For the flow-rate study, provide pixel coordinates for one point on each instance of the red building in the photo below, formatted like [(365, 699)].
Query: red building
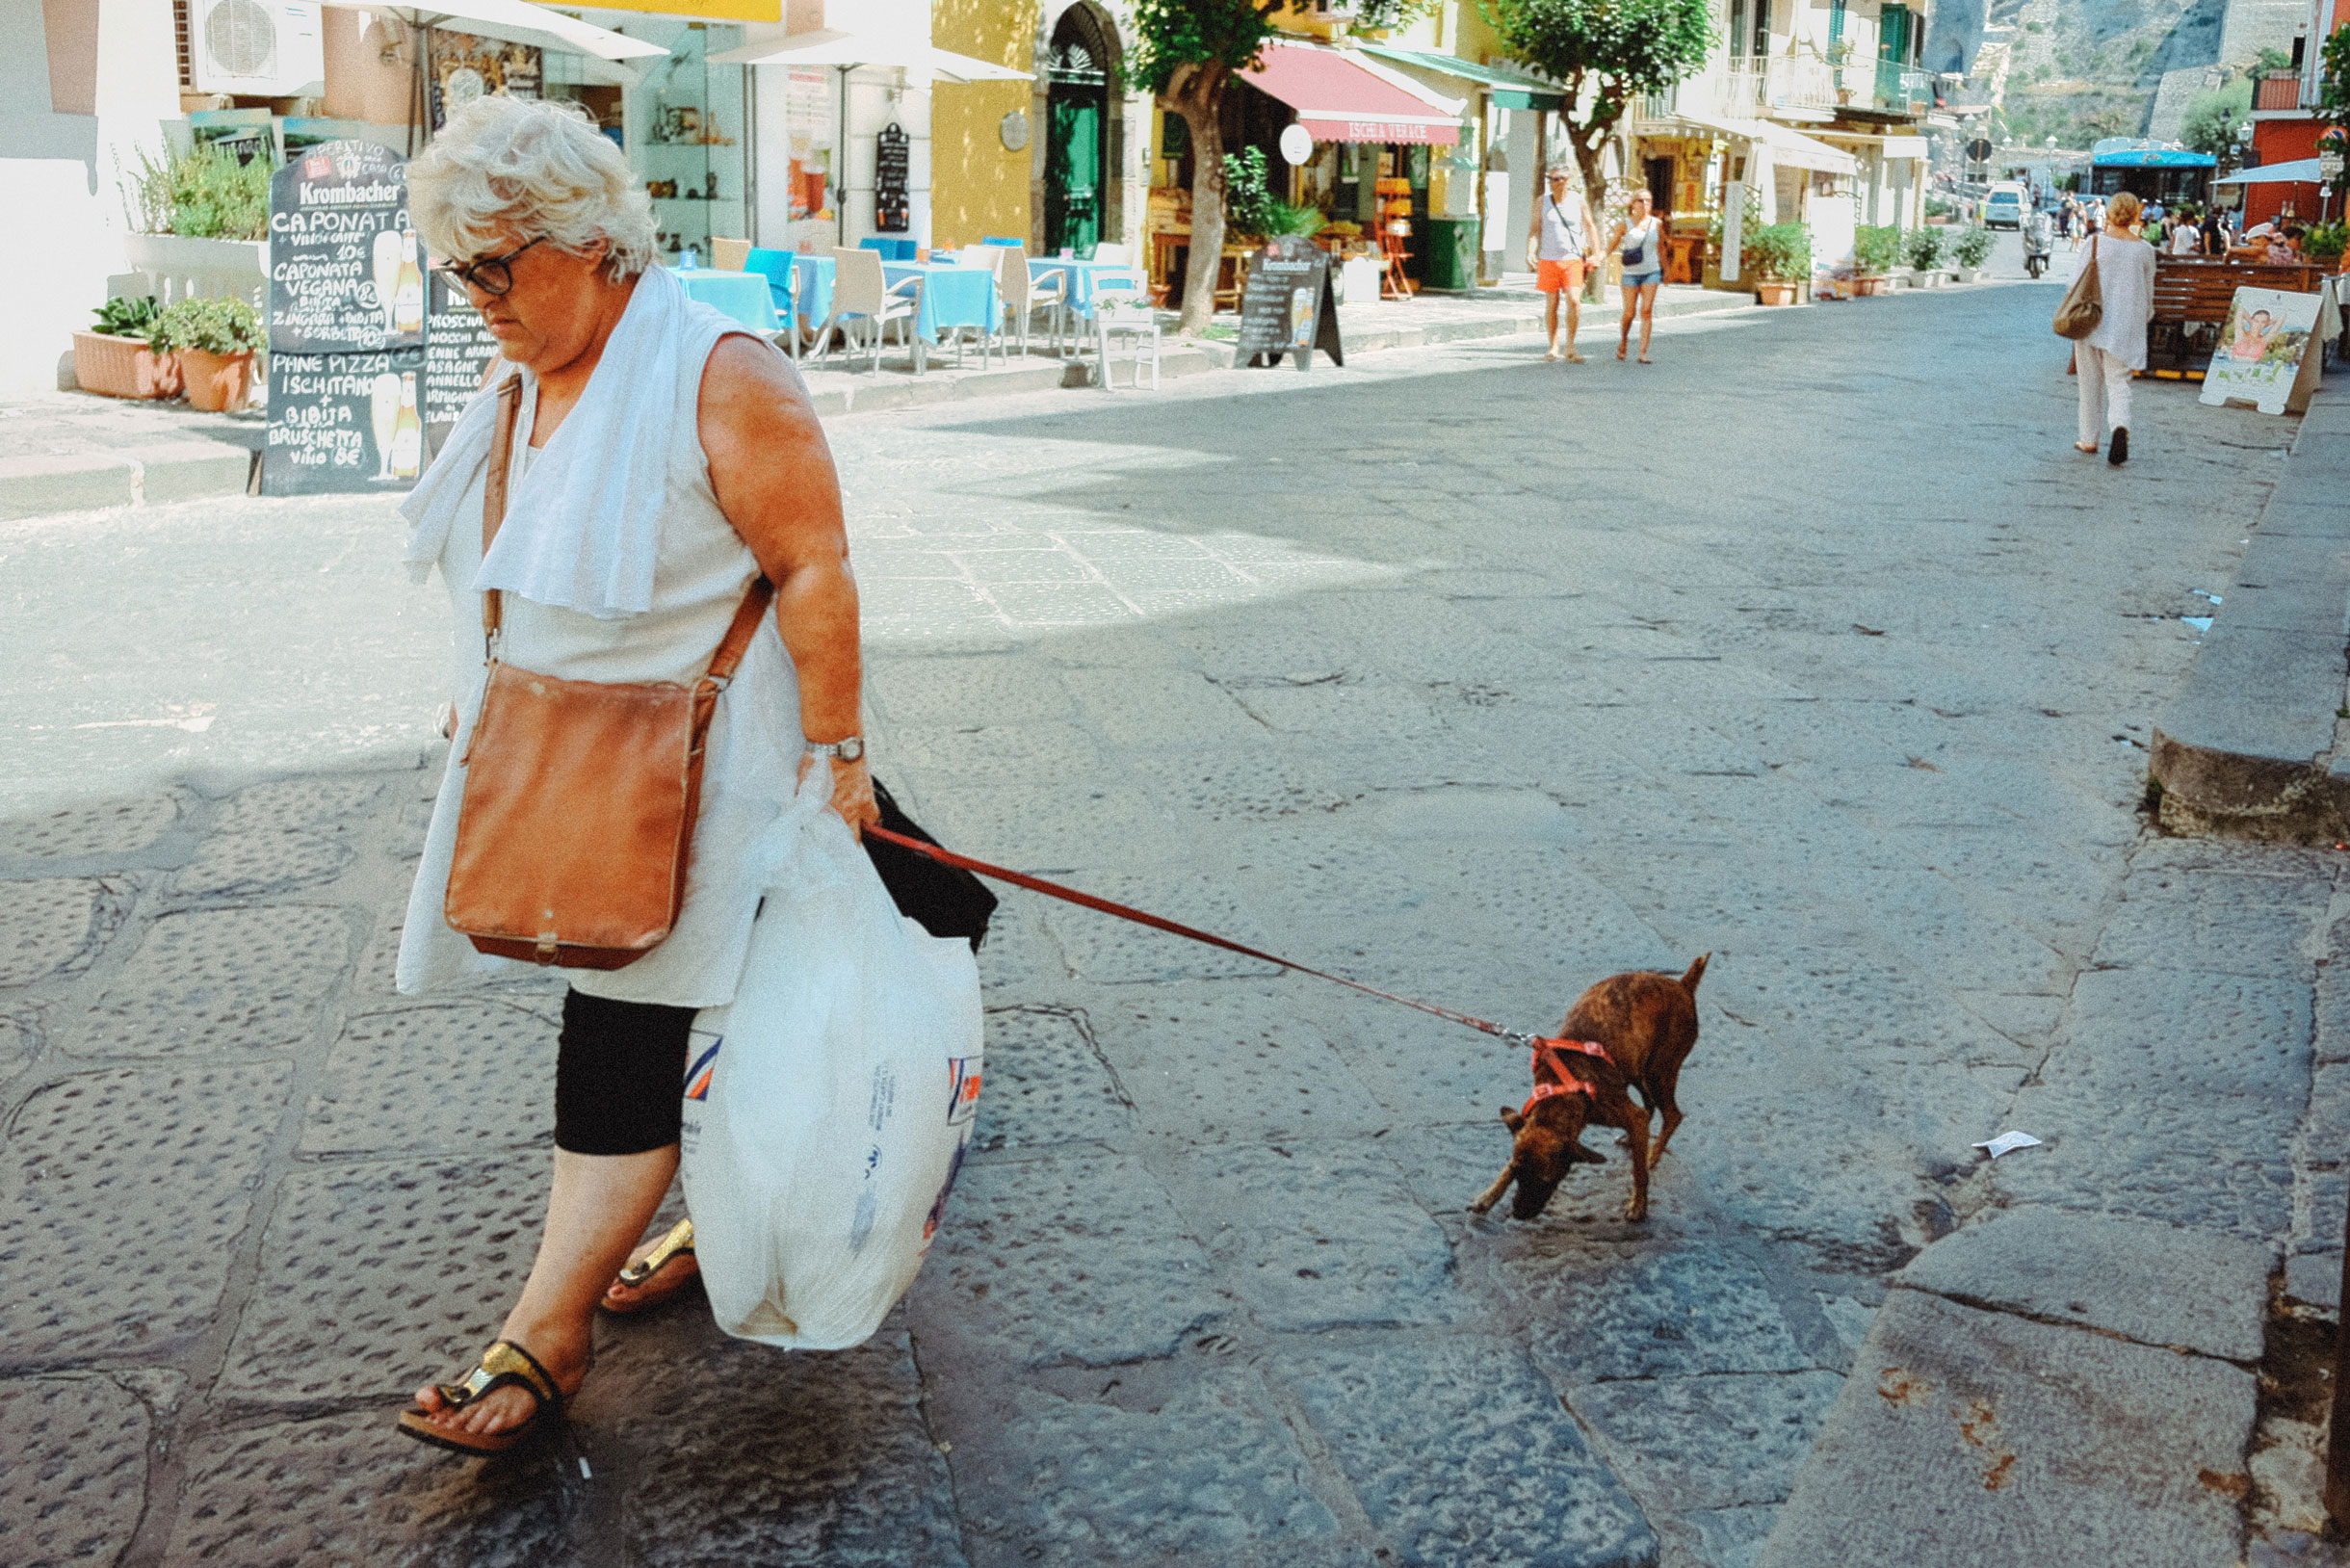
[(2286, 127)]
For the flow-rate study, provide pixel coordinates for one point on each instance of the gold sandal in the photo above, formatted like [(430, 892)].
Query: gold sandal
[(504, 1365), (642, 1275)]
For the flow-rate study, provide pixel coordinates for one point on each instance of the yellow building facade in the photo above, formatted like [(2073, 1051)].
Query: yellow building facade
[(980, 185)]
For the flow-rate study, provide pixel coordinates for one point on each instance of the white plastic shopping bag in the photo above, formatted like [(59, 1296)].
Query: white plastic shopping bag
[(828, 1106)]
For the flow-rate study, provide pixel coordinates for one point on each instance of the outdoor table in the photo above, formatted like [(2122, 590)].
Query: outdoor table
[(951, 296), (744, 296), (1081, 274), (892, 249), (812, 289)]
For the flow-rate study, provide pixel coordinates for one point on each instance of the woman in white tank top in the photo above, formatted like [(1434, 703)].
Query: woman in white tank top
[(663, 461)]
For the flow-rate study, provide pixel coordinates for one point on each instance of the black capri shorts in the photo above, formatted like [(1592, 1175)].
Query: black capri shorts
[(619, 1075)]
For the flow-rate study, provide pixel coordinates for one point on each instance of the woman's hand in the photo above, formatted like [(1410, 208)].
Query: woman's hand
[(852, 792)]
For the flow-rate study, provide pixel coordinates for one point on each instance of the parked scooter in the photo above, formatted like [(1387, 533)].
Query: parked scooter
[(2039, 242)]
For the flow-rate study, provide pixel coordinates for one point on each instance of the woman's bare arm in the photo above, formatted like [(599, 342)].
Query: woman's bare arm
[(775, 479)]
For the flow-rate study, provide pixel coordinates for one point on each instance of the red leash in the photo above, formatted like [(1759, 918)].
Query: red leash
[(1069, 895)]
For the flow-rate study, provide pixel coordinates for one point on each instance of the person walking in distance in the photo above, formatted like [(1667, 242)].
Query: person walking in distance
[(1640, 237), (1563, 235), (2105, 360)]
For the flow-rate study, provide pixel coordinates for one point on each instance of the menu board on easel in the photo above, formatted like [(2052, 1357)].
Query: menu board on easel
[(893, 170), (343, 423), (458, 347), (1287, 306), (345, 273), (347, 325)]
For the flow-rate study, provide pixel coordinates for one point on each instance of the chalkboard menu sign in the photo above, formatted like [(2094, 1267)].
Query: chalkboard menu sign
[(893, 208), (344, 422), (1287, 306), (345, 273), (458, 347)]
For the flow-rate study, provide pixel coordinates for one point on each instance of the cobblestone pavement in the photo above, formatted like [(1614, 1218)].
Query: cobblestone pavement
[(1812, 646)]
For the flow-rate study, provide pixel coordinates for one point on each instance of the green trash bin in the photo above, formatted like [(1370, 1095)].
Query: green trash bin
[(1454, 256)]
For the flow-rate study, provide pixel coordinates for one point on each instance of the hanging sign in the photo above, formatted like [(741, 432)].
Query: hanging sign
[(893, 208), (1296, 145), (345, 271), (1286, 305), (458, 348), (344, 422), (2263, 356)]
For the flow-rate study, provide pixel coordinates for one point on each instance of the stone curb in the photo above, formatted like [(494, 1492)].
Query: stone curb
[(31, 487), (34, 487), (2248, 748)]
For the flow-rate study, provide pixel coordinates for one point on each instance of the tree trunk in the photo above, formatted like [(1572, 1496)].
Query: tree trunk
[(1197, 93)]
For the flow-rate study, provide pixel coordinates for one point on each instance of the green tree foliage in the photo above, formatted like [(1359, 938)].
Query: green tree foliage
[(1187, 52), (1605, 53), (2212, 118)]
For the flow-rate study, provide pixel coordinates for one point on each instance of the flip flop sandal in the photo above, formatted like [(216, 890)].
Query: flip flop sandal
[(644, 1275), (504, 1365)]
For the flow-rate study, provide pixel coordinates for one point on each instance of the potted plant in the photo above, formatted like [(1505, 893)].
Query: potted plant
[(2325, 243), (1780, 257), (1923, 248), (216, 340), (116, 360), (1877, 251), (1973, 250), (199, 217)]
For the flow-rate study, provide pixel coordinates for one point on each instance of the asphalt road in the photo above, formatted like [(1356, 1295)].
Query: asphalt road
[(1812, 645)]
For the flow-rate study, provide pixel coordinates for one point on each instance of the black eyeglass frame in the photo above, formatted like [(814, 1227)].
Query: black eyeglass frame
[(476, 274)]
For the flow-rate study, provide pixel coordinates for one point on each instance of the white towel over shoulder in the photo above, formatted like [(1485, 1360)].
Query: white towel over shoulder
[(581, 525)]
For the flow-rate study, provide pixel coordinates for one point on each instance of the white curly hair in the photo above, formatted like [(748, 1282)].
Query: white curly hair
[(529, 168)]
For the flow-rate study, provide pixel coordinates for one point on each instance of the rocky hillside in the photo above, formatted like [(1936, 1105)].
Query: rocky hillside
[(2081, 69)]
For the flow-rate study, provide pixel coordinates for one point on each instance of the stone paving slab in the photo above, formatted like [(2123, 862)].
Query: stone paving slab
[(75, 1481), (156, 1164), (1963, 1437)]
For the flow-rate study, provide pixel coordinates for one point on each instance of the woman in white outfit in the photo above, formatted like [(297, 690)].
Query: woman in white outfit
[(662, 460), (2105, 360)]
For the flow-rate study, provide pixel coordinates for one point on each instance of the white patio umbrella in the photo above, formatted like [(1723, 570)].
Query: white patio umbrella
[(845, 51), (601, 51)]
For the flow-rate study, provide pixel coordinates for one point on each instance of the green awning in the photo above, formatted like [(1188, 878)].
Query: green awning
[(1507, 90)]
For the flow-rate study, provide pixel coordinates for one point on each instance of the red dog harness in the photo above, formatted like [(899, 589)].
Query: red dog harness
[(1568, 1083)]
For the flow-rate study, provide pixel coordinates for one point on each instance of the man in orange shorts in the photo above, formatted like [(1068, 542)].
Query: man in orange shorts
[(1560, 246)]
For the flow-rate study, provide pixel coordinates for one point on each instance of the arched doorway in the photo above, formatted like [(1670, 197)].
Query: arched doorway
[(1076, 157)]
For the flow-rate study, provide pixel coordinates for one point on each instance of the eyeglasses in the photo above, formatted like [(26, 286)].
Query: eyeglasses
[(493, 275)]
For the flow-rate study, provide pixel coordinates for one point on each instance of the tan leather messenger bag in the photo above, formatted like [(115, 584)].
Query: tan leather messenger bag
[(580, 795)]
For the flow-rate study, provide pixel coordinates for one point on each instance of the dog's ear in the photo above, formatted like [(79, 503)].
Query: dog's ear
[(1512, 1120)]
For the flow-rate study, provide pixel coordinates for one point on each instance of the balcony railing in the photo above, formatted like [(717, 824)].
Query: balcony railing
[(1655, 106), (2280, 89), (1902, 90), (1753, 88)]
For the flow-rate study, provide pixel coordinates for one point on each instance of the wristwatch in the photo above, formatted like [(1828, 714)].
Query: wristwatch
[(848, 750)]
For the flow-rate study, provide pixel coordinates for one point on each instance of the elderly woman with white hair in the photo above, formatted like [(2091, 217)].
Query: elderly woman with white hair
[(661, 469)]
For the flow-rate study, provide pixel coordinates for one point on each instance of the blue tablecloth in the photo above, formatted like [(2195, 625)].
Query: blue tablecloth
[(744, 296), (951, 296), (892, 248), (1081, 274), (813, 275)]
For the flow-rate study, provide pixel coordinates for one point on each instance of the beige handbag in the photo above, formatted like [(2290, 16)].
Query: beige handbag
[(2083, 304), (580, 795)]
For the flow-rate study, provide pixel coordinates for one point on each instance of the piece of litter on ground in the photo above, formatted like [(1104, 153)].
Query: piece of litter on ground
[(2008, 1143), (2201, 594), (2201, 624), (584, 1470)]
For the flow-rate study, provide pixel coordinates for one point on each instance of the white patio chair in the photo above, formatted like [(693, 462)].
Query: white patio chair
[(1122, 310), (1115, 255), (1024, 295), (861, 294)]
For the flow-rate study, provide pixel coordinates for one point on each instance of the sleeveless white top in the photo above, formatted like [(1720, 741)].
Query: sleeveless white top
[(702, 570)]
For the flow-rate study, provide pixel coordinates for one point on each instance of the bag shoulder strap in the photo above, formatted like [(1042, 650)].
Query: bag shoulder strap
[(738, 632)]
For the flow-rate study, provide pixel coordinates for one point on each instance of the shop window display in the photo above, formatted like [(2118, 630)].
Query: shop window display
[(682, 128)]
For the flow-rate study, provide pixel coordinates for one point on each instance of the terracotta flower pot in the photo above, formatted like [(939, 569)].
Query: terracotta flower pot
[(1873, 285), (123, 367), (1774, 292), (218, 383)]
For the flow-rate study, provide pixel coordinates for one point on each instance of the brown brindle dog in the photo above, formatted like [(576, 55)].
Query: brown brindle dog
[(1631, 1030)]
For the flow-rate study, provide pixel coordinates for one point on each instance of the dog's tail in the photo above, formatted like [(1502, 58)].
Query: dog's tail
[(1697, 971)]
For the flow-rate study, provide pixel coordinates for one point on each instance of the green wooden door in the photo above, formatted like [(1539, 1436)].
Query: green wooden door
[(1073, 174)]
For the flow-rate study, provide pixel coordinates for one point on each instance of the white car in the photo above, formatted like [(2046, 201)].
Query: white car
[(2005, 206)]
